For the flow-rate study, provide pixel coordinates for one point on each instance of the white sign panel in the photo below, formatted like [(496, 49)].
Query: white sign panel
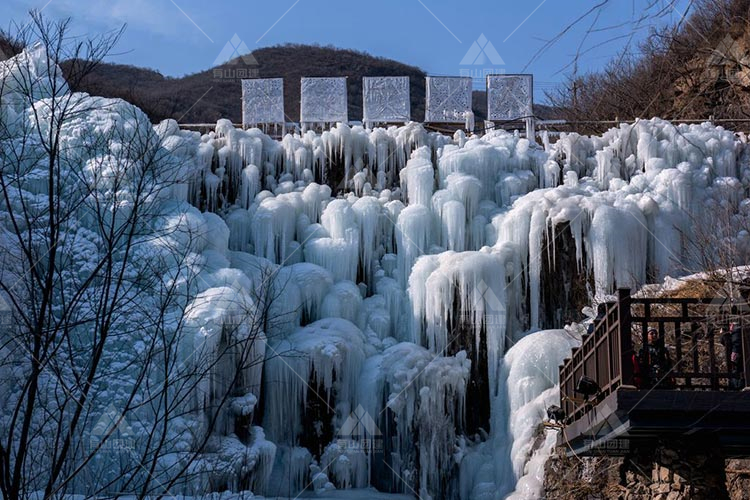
[(510, 97), (262, 101), (324, 100), (386, 99), (448, 99)]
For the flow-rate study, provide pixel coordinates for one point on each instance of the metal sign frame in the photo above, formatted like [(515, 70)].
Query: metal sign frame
[(448, 103), (386, 99), (503, 104), (262, 101), (324, 100)]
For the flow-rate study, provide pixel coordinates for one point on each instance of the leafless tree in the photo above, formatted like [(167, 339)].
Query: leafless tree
[(718, 246), (692, 68), (104, 389)]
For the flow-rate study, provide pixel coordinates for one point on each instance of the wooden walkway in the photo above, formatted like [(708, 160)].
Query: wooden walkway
[(700, 397)]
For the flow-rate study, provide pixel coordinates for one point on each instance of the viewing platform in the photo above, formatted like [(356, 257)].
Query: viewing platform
[(702, 397)]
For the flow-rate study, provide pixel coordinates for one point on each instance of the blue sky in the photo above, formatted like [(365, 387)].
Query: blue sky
[(179, 37)]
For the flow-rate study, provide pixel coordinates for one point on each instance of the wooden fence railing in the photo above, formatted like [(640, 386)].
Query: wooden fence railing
[(691, 329)]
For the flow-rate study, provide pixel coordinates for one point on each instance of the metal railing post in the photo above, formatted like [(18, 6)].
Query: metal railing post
[(745, 353), (625, 333)]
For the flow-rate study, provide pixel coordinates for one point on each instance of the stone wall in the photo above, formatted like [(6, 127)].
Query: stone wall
[(661, 472), (738, 479)]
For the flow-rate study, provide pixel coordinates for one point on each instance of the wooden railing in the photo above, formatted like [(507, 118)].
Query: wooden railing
[(690, 329), (600, 357)]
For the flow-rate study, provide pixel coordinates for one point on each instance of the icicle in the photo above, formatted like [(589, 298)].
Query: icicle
[(250, 186), (477, 280), (343, 301), (274, 225), (239, 222), (454, 226), (412, 238), (537, 226), (368, 212), (417, 179), (314, 283), (469, 121), (212, 183)]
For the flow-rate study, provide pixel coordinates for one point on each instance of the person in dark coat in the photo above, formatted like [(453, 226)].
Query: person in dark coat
[(653, 364), (732, 340)]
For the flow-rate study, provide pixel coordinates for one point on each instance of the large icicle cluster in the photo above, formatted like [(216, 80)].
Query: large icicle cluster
[(468, 287), (387, 272), (629, 199), (528, 386), (457, 246), (329, 352), (351, 258)]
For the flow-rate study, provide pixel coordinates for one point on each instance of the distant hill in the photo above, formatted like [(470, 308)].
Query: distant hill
[(215, 93), (209, 95)]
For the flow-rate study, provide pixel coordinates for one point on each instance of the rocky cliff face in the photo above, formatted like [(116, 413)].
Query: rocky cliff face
[(716, 81)]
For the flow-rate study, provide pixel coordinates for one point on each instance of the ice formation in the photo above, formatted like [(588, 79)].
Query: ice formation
[(390, 270), (323, 351), (529, 378)]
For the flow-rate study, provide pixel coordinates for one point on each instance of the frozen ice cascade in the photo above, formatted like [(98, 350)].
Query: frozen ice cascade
[(397, 277)]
